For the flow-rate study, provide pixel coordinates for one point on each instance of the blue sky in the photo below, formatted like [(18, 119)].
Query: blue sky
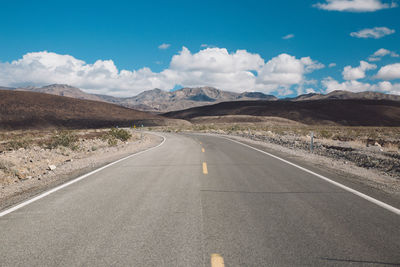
[(130, 32)]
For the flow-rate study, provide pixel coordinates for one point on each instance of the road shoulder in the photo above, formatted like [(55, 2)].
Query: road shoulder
[(369, 182), (16, 193)]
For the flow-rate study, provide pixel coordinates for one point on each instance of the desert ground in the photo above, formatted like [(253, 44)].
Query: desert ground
[(32, 161)]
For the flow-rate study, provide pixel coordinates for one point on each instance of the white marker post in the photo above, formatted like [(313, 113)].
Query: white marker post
[(312, 142)]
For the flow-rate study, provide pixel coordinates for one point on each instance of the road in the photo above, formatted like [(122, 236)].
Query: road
[(197, 200)]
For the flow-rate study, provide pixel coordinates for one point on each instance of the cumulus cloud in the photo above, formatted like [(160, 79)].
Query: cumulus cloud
[(377, 56), (331, 65), (216, 60), (331, 85), (389, 72), (237, 71), (350, 73), (376, 33), (355, 5), (164, 46), (283, 71), (289, 36), (41, 68)]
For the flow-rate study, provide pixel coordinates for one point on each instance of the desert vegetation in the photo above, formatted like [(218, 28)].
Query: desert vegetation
[(31, 154)]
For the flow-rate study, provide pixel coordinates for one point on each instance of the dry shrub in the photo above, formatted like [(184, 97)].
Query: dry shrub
[(64, 139)]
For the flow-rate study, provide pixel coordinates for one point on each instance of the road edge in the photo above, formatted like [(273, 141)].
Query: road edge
[(77, 179), (344, 187)]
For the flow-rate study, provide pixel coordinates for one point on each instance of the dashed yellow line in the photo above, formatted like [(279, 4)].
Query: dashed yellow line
[(217, 260), (202, 150), (205, 171)]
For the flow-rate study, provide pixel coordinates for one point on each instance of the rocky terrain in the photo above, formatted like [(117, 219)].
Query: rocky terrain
[(371, 165), (163, 101), (29, 167)]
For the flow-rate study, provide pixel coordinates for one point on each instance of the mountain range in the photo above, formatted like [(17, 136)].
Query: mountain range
[(160, 101)]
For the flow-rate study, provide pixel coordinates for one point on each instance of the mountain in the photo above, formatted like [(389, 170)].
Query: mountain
[(23, 109), (348, 112), (155, 100), (160, 101), (339, 94), (62, 90), (163, 101)]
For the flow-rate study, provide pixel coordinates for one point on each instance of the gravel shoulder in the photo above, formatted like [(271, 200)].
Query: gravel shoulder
[(372, 181), (36, 170)]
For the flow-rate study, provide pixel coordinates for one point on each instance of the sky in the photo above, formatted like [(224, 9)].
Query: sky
[(122, 48)]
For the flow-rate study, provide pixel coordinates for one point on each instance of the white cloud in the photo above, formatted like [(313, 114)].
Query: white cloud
[(389, 72), (355, 5), (350, 73), (289, 36), (42, 68), (283, 71), (331, 85), (216, 60), (377, 56), (164, 46), (376, 33), (331, 65), (237, 71)]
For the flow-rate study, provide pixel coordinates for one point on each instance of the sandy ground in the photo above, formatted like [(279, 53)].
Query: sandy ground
[(33, 168)]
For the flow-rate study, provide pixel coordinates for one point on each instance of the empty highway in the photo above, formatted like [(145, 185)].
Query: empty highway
[(200, 200)]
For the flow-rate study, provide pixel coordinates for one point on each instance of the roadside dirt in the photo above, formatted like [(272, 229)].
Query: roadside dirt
[(367, 165), (27, 172)]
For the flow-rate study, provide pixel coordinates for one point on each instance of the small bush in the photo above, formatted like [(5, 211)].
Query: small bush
[(17, 144), (112, 141), (65, 139), (325, 134), (120, 134)]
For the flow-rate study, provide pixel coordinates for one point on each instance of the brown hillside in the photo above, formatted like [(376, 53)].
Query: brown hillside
[(330, 111), (20, 110)]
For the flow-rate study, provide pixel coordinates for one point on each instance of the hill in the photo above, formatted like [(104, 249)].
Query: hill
[(162, 101), (352, 112), (62, 90), (21, 109), (339, 94)]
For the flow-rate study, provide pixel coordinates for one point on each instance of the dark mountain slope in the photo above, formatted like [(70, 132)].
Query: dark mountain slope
[(20, 109), (330, 111)]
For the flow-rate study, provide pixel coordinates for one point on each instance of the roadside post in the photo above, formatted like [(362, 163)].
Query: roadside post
[(312, 142)]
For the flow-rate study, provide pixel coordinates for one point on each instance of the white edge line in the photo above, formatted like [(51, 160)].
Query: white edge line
[(27, 202), (355, 192)]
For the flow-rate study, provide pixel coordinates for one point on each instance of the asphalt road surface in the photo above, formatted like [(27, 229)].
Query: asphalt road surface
[(199, 201)]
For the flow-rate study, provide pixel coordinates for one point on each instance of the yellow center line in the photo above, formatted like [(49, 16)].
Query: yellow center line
[(202, 149), (205, 171), (217, 260)]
